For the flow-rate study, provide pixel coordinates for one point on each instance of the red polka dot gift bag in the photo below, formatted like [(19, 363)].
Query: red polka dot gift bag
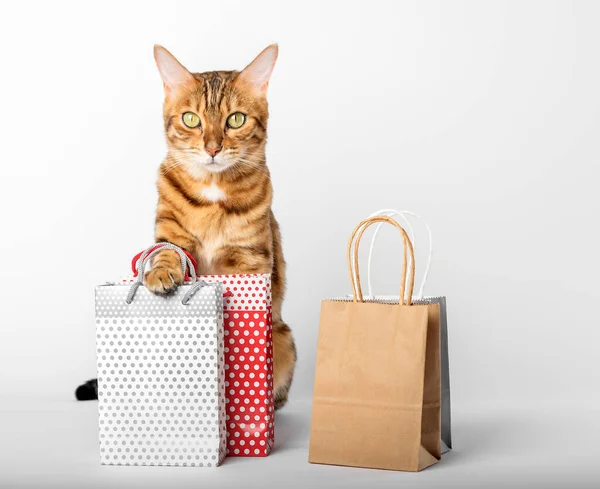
[(248, 363)]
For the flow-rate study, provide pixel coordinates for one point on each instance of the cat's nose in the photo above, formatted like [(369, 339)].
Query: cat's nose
[(213, 150)]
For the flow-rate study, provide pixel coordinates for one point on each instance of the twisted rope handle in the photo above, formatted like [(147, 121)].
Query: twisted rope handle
[(402, 215), (146, 256), (408, 259)]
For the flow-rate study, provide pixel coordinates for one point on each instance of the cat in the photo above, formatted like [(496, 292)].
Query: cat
[(215, 189)]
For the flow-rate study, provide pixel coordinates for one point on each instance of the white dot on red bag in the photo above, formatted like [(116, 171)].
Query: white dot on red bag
[(246, 332), (247, 418), (261, 341), (252, 442), (232, 442), (262, 409), (261, 375), (242, 358), (231, 323), (251, 375), (236, 367), (262, 442), (236, 400), (236, 332), (255, 315), (256, 451), (236, 451), (242, 442), (247, 401), (242, 409), (242, 392), (246, 451), (236, 315), (251, 341), (257, 384), (246, 367), (242, 323), (252, 409), (246, 315), (242, 375), (246, 350), (261, 358), (242, 341), (261, 324), (262, 392), (236, 434)]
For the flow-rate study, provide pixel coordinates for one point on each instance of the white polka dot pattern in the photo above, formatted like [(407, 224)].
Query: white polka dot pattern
[(249, 383), (161, 377)]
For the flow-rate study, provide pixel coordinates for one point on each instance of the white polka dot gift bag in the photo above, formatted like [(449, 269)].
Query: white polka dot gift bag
[(161, 371), (377, 387)]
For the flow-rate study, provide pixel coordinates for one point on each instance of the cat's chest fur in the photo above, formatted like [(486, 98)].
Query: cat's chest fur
[(209, 225), (212, 193)]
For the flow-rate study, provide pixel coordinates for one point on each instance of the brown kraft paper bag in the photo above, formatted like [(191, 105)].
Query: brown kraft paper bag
[(377, 389)]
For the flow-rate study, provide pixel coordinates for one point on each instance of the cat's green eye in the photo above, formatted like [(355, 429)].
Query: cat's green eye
[(236, 120), (191, 120)]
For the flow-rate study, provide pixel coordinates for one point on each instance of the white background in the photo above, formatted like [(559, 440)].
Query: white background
[(483, 117)]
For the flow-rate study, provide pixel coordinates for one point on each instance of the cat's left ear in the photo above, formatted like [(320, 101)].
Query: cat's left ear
[(256, 75)]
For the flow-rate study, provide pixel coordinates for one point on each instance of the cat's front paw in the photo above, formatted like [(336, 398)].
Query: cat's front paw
[(163, 281)]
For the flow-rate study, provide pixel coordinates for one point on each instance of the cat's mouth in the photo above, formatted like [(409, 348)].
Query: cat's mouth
[(215, 166)]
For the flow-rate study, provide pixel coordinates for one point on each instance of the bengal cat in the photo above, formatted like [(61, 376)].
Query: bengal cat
[(214, 187)]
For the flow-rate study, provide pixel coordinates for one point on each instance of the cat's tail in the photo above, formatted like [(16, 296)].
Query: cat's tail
[(87, 391)]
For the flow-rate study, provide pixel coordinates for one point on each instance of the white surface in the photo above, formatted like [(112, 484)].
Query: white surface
[(482, 117), (53, 444)]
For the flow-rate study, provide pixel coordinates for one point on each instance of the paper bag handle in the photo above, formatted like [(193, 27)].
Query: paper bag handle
[(408, 253), (402, 215)]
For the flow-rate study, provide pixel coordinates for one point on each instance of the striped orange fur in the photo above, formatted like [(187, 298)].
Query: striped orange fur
[(214, 187)]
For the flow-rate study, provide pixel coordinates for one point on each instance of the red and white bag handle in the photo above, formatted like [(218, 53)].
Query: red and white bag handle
[(188, 264), (402, 215), (136, 258)]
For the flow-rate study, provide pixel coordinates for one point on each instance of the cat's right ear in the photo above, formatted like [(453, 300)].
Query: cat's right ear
[(172, 72)]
